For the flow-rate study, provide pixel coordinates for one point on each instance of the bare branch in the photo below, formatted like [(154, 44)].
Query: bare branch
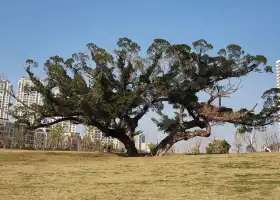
[(223, 92), (271, 139)]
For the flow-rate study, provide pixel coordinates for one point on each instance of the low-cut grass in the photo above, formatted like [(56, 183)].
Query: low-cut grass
[(92, 176)]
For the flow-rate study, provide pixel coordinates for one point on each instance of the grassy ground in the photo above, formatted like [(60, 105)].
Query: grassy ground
[(37, 175)]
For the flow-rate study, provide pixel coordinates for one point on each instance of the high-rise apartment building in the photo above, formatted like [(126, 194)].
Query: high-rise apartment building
[(5, 97), (68, 126), (140, 142), (93, 132), (96, 135), (33, 97), (26, 96)]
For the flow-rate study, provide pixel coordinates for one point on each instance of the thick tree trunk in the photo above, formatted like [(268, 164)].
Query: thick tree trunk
[(131, 149), (123, 135), (129, 145), (164, 146)]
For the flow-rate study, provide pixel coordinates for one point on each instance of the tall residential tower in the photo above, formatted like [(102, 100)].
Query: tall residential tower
[(27, 97), (5, 89), (34, 97)]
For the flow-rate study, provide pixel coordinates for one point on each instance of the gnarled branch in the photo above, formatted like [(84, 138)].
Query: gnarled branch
[(222, 92)]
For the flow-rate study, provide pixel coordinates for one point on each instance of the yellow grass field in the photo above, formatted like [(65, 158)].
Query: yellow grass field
[(34, 175)]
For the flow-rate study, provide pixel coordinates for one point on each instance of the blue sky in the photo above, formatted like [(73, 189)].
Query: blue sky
[(40, 29)]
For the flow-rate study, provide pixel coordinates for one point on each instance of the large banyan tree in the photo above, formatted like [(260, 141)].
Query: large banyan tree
[(114, 90)]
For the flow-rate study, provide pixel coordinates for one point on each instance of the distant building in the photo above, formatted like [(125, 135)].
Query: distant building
[(33, 97), (5, 97), (140, 142), (41, 136), (97, 135), (26, 96), (68, 127)]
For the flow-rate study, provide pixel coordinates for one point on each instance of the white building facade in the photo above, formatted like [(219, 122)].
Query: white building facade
[(140, 143), (96, 135), (33, 97), (5, 97), (68, 126), (26, 97)]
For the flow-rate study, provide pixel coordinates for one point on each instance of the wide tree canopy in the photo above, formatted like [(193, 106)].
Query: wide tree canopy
[(113, 91)]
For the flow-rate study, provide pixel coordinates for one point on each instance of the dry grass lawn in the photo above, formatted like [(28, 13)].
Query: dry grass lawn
[(35, 175)]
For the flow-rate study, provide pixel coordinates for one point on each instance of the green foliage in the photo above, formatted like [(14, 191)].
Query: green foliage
[(195, 150), (219, 147), (151, 146)]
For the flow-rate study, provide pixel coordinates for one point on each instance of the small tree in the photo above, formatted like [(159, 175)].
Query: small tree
[(87, 144), (195, 150), (18, 139), (219, 147), (197, 144), (238, 144), (5, 140), (248, 138), (271, 139), (151, 146), (56, 136)]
